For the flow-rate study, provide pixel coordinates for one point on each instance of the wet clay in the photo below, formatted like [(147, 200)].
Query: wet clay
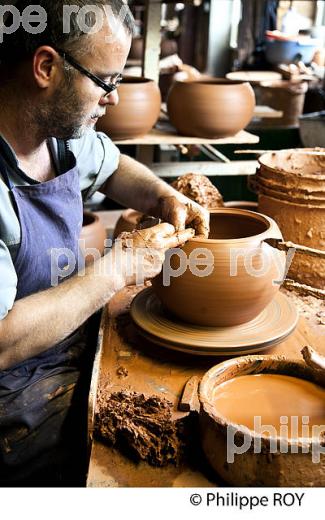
[(271, 396), (200, 189), (142, 424)]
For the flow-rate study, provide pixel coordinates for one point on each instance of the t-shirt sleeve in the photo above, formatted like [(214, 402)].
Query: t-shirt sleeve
[(97, 158), (8, 281)]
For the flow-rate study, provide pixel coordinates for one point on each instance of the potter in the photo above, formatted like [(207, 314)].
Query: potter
[(51, 161)]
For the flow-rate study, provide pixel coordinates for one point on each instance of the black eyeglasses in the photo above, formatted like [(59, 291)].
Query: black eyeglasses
[(115, 79)]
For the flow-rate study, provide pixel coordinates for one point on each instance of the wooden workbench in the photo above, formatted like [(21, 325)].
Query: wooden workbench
[(125, 361)]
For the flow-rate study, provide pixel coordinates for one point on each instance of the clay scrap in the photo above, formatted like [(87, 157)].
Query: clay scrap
[(142, 424), (200, 189)]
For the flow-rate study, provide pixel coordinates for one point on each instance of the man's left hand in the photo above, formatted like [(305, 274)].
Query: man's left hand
[(182, 212)]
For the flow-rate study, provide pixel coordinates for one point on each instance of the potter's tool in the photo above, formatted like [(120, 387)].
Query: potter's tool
[(190, 401), (312, 358), (297, 151), (303, 250), (304, 290)]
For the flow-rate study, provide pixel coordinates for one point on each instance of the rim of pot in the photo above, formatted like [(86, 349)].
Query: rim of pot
[(207, 382), (268, 221), (214, 82)]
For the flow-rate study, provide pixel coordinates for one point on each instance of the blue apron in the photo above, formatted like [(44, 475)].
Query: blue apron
[(43, 400)]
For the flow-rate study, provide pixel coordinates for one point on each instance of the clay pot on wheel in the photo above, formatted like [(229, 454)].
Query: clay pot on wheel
[(238, 279), (292, 467), (211, 108), (92, 236), (137, 111)]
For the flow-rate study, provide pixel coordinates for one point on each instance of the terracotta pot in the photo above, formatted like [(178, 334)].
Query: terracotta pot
[(127, 221), (238, 285), (92, 236), (210, 108), (137, 111), (249, 468), (297, 169), (304, 225), (136, 49), (291, 189), (286, 96)]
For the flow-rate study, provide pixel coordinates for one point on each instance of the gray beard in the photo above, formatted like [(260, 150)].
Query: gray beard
[(63, 118)]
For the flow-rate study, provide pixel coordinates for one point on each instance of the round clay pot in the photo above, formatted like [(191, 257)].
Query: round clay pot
[(168, 47), (136, 50), (262, 468), (285, 96), (297, 169), (210, 108), (127, 221), (92, 236), (240, 280), (137, 111)]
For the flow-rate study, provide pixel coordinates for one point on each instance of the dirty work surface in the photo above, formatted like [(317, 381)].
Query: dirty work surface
[(143, 376)]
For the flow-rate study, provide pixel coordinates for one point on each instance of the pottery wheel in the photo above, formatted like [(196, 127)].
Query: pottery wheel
[(269, 328)]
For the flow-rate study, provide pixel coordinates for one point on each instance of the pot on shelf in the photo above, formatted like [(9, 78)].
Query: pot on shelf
[(137, 111), (210, 108), (240, 280)]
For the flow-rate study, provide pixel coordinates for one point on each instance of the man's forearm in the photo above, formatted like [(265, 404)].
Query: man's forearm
[(135, 186), (41, 320)]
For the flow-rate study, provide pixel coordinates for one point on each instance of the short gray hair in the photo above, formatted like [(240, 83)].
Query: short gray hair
[(22, 44)]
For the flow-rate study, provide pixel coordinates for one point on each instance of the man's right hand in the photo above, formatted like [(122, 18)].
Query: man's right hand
[(139, 255)]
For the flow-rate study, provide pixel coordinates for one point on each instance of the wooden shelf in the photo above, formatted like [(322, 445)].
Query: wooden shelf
[(265, 112), (164, 133), (208, 168)]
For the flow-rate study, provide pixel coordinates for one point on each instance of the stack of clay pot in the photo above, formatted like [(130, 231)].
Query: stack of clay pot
[(137, 111), (291, 189), (210, 108)]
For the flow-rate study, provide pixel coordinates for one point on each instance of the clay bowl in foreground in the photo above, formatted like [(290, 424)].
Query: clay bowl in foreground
[(238, 279), (249, 468), (210, 108), (137, 111)]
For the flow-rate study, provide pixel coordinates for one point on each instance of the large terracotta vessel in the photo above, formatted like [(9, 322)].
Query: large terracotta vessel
[(241, 279), (293, 467), (210, 108), (137, 111), (291, 189)]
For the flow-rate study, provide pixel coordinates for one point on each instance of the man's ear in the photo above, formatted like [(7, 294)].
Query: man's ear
[(45, 66)]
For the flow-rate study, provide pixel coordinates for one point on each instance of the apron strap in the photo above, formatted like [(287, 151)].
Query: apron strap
[(64, 155)]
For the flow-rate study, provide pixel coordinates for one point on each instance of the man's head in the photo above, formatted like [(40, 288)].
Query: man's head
[(49, 66)]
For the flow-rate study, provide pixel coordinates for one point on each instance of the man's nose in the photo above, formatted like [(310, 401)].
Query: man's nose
[(111, 99)]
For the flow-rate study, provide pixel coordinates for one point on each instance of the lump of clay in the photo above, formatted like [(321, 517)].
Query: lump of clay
[(200, 189)]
